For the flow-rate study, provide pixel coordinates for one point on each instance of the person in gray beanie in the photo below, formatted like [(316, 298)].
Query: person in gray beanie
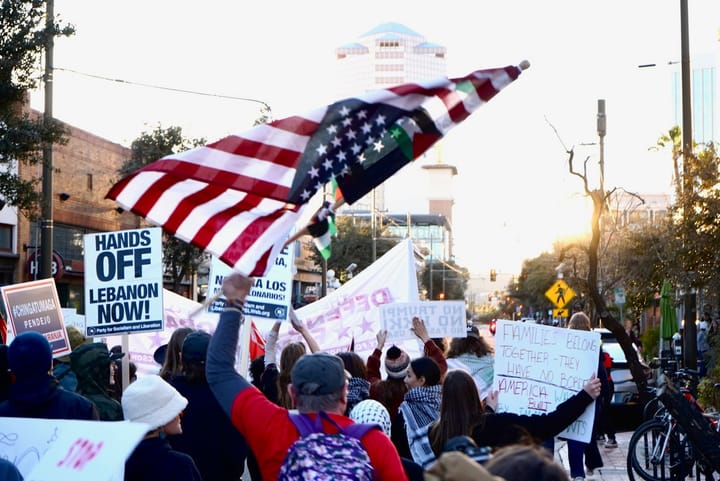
[(35, 393)]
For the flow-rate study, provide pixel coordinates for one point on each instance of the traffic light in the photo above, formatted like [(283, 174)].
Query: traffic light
[(493, 275)]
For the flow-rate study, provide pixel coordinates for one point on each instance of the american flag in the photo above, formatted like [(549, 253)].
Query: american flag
[(240, 197)]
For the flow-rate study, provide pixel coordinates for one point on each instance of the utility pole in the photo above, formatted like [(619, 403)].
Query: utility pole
[(601, 131), (46, 225), (690, 308)]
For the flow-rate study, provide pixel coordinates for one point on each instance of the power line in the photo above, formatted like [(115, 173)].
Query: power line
[(159, 87)]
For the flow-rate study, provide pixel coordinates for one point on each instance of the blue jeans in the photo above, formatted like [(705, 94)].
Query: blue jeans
[(577, 451)]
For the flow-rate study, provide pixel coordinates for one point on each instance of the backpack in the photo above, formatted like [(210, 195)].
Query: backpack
[(321, 456)]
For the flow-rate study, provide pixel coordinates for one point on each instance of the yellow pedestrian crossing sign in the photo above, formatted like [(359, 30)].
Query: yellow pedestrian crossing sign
[(560, 294)]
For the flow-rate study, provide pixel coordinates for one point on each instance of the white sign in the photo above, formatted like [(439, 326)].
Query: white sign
[(52, 449), (441, 318), (538, 367), (269, 297), (123, 282)]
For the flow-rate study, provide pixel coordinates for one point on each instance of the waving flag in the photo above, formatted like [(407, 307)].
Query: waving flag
[(239, 197)]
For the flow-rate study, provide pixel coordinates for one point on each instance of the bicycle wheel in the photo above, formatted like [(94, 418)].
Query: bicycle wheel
[(657, 452), (653, 409)]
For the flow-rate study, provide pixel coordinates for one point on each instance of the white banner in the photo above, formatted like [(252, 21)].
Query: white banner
[(352, 312), (53, 449), (537, 367)]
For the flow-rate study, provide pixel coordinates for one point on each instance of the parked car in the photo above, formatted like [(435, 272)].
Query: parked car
[(493, 326), (626, 392)]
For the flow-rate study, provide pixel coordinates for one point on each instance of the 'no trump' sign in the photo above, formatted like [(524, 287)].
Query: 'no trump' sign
[(123, 282)]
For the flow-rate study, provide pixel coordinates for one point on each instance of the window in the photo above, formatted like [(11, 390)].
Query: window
[(6, 238)]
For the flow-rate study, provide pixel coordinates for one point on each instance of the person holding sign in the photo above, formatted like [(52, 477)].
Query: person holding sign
[(318, 384), (463, 414), (473, 354), (576, 449)]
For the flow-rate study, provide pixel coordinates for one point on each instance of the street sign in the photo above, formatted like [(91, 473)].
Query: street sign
[(561, 313), (619, 295), (560, 294)]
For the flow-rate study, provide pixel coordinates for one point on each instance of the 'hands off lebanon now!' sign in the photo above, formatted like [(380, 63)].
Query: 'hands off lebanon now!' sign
[(123, 282), (538, 367)]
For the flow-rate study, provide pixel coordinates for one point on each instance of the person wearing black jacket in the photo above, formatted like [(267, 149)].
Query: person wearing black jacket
[(208, 436), (35, 393)]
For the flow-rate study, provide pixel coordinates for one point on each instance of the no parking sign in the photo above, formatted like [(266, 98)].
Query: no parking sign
[(123, 282)]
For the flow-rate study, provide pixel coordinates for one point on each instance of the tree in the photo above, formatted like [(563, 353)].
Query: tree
[(181, 260), (599, 199), (449, 281), (23, 36)]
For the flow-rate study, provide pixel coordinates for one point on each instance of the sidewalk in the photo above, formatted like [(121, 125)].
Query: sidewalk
[(615, 459)]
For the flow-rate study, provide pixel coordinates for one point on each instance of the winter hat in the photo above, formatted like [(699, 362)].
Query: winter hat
[(151, 400), (371, 411), (396, 362), (30, 356), (195, 346), (76, 338), (95, 353)]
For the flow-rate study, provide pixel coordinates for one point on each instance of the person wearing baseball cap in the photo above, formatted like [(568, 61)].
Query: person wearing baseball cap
[(319, 384)]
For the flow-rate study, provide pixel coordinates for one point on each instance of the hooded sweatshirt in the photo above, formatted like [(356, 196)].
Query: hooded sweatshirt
[(91, 364)]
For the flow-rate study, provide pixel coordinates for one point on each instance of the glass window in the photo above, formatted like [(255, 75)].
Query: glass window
[(6, 237)]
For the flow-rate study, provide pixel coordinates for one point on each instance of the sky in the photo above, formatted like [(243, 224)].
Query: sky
[(513, 194)]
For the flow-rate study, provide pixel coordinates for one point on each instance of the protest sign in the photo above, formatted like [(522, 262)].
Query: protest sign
[(34, 306), (538, 367), (52, 449), (442, 319), (270, 295), (123, 282)]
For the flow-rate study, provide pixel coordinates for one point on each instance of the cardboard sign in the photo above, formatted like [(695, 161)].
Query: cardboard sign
[(269, 297), (123, 282), (442, 319), (34, 306), (538, 367), (52, 449)]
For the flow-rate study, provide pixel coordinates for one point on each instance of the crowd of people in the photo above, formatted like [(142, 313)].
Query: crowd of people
[(301, 413)]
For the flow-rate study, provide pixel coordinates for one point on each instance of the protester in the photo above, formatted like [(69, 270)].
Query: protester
[(172, 362), (359, 386), (390, 391), (463, 414), (456, 466), (5, 378), (35, 393), (61, 366), (607, 425), (421, 403), (578, 450), (8, 471), (474, 355), (94, 367), (208, 436), (151, 400), (521, 462), (372, 412), (318, 385), (703, 347), (276, 379)]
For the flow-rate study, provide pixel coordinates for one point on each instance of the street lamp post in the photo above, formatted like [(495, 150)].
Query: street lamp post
[(690, 330)]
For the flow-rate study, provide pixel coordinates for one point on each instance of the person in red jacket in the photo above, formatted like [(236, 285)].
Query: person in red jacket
[(318, 383)]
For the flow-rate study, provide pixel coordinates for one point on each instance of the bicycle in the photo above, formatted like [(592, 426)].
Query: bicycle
[(678, 439)]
